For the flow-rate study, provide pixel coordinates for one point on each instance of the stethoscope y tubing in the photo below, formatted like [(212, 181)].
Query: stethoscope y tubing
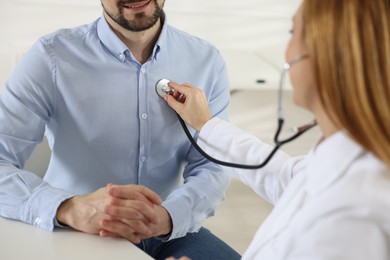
[(223, 163), (162, 84), (278, 144)]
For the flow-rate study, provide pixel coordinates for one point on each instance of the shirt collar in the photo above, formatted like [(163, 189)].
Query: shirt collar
[(110, 39), (163, 38), (329, 161), (118, 48)]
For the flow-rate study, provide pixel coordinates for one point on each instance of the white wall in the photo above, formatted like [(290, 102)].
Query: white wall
[(251, 34)]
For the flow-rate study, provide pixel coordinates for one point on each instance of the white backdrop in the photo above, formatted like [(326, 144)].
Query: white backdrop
[(251, 34)]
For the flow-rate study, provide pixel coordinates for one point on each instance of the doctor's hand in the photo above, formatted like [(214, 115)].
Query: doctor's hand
[(135, 215), (87, 213), (194, 110)]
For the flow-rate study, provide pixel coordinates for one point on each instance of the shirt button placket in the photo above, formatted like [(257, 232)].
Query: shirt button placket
[(144, 131)]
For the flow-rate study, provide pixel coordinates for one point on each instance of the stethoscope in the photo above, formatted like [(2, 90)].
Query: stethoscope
[(163, 89)]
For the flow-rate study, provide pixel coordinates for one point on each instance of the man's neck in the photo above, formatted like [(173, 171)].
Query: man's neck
[(140, 44)]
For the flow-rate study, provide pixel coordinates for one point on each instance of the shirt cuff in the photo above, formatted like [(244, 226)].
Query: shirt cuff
[(206, 132), (41, 208), (179, 213)]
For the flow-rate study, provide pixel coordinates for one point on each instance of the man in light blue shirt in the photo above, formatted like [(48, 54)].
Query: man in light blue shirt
[(118, 150)]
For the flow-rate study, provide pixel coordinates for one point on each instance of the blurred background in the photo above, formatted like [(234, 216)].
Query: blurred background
[(251, 35)]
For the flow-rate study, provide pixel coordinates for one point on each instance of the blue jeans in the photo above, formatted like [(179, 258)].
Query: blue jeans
[(202, 245)]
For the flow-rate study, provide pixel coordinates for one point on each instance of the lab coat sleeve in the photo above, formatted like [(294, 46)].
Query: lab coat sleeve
[(228, 143), (25, 108), (205, 183)]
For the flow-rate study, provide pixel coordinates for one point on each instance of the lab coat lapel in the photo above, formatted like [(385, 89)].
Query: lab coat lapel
[(286, 208), (330, 161), (324, 165)]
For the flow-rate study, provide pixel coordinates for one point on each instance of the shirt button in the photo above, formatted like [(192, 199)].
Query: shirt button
[(143, 158), (144, 115), (37, 222), (121, 56), (143, 70)]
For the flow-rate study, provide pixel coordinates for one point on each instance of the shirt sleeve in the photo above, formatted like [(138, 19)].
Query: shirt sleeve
[(205, 183), (228, 143), (25, 109)]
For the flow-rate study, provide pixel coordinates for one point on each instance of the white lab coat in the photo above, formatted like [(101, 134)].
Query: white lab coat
[(332, 204)]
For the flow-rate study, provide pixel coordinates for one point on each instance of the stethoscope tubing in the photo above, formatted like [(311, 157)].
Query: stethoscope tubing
[(278, 144), (163, 83)]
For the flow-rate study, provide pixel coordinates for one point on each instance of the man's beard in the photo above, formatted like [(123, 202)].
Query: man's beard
[(141, 22)]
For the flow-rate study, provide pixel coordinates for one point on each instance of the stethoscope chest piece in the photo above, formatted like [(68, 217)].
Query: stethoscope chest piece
[(162, 88)]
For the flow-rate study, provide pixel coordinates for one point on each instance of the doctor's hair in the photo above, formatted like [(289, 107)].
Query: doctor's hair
[(348, 43)]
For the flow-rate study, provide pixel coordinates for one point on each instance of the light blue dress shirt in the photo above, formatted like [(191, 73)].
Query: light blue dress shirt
[(105, 124)]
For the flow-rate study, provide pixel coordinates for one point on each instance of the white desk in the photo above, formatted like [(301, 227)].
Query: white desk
[(23, 241)]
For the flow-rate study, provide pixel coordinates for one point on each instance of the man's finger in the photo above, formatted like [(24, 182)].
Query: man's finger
[(105, 233), (130, 232), (132, 210), (135, 192)]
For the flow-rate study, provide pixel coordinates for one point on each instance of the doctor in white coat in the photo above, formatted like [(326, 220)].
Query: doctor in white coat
[(335, 202)]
